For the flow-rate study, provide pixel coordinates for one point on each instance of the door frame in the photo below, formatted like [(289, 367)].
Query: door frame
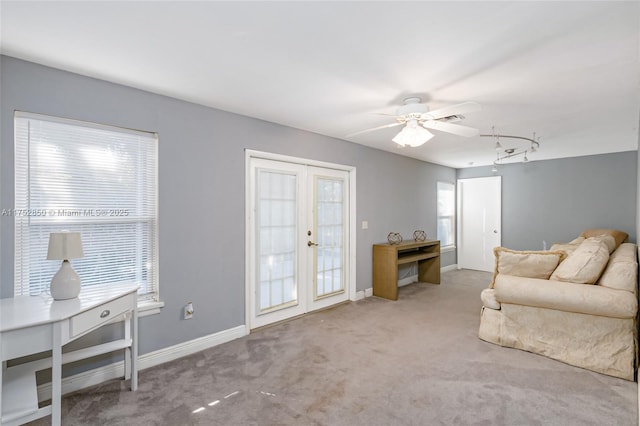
[(351, 254)]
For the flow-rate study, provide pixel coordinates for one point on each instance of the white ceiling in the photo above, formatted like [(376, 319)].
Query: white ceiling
[(569, 71)]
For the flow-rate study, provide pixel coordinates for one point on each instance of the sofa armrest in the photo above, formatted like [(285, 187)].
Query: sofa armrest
[(567, 297), (488, 298)]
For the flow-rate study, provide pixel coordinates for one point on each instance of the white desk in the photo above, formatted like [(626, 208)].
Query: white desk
[(33, 324)]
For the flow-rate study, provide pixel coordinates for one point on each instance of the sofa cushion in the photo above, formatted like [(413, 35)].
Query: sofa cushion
[(619, 236), (625, 249), (531, 264), (585, 264), (567, 297), (622, 270), (609, 241), (567, 247), (625, 253), (621, 276)]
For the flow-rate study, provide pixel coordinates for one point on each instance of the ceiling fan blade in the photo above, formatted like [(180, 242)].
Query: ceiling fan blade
[(455, 129), (383, 113), (453, 110), (374, 129)]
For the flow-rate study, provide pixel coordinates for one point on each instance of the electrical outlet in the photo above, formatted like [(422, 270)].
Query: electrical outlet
[(365, 224), (188, 311)]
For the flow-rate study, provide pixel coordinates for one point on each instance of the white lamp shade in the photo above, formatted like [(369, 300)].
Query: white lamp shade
[(412, 135), (64, 245)]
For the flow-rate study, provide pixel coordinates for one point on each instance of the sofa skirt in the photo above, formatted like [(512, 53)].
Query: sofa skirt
[(601, 344)]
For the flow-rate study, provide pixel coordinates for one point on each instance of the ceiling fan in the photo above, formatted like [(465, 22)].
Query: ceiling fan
[(417, 119)]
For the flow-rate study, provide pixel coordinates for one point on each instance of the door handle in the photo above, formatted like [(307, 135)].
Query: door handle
[(311, 243), (495, 231)]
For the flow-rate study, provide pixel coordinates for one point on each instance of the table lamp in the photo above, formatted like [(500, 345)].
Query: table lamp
[(65, 245)]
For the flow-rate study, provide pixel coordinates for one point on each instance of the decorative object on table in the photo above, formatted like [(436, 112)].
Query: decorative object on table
[(419, 235), (394, 238), (65, 245)]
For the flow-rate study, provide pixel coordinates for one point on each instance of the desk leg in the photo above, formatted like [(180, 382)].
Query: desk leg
[(134, 345), (127, 351), (56, 376), (2, 367)]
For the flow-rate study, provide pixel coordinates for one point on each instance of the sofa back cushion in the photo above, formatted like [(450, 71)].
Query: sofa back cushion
[(625, 253), (567, 247), (585, 264), (529, 264), (618, 236), (609, 241), (622, 270), (567, 297)]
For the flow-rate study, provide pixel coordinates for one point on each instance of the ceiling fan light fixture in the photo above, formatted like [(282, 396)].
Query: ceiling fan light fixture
[(412, 135)]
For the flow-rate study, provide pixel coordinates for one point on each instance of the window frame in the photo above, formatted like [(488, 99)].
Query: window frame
[(149, 292), (446, 186)]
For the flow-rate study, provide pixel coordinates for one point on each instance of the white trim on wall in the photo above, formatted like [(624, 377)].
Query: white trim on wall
[(116, 370), (449, 268)]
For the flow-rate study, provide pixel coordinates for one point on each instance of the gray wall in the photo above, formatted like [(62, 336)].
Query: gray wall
[(554, 200), (201, 189)]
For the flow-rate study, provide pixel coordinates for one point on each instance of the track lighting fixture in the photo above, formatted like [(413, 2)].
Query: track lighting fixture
[(510, 152)]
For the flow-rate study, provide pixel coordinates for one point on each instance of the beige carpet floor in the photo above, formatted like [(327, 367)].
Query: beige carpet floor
[(416, 361)]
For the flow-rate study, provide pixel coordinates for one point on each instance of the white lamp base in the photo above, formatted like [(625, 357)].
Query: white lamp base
[(65, 283)]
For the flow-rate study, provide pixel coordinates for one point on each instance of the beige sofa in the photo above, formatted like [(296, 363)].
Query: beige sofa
[(576, 303)]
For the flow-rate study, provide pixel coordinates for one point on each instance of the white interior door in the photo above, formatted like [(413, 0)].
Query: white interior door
[(479, 222), (298, 233)]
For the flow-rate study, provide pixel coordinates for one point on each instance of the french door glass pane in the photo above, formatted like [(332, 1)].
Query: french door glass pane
[(330, 250), (276, 226)]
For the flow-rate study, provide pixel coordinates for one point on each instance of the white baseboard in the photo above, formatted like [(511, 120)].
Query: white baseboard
[(161, 356), (151, 359), (367, 292), (449, 268)]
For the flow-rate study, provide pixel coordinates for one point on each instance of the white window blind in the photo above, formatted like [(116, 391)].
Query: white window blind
[(446, 214), (98, 180)]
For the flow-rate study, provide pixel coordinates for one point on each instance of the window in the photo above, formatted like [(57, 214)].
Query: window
[(97, 180), (446, 214)]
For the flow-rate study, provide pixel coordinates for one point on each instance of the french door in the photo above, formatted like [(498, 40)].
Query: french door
[(298, 223)]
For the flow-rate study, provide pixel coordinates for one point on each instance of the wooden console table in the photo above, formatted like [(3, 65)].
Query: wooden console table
[(387, 257), (33, 324)]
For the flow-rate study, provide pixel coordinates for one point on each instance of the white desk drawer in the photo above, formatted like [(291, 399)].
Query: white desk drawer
[(17, 343), (90, 319)]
